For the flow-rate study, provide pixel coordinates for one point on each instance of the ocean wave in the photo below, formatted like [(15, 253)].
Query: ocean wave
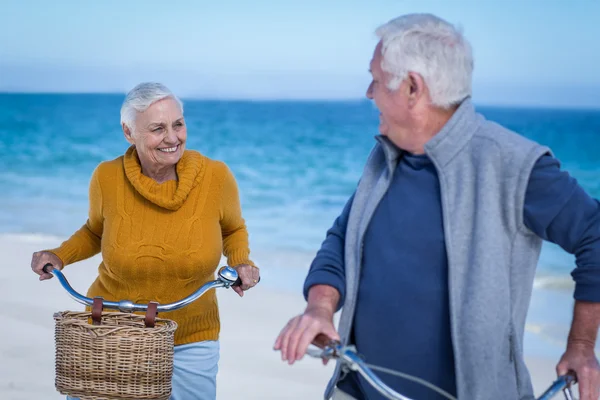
[(555, 334), (30, 237), (556, 282), (296, 163)]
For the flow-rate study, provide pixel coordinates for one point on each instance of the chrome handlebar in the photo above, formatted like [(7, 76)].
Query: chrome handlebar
[(333, 349), (352, 359), (328, 349), (226, 278), (562, 383)]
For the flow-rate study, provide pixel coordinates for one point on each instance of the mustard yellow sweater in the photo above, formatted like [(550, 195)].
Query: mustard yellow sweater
[(161, 242)]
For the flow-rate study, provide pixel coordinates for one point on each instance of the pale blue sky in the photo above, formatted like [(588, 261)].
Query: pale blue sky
[(527, 52)]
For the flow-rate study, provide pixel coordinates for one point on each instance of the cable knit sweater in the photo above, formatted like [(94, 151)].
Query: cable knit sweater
[(162, 241)]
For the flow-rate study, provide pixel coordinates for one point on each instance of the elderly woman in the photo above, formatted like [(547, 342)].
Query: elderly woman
[(162, 216)]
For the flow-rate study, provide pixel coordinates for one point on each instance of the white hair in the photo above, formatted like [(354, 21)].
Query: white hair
[(141, 97), (433, 48)]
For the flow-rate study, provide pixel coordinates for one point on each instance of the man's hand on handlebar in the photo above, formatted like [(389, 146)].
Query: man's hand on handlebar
[(301, 330)]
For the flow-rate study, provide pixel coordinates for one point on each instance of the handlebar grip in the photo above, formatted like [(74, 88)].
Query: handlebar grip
[(322, 341), (47, 268), (570, 378), (238, 282)]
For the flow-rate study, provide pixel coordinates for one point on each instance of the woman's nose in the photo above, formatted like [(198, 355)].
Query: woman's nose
[(171, 136)]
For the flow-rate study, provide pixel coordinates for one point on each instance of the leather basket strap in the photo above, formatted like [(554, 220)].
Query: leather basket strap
[(151, 314), (97, 311)]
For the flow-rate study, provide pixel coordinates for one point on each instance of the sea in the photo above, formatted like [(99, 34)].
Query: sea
[(296, 164)]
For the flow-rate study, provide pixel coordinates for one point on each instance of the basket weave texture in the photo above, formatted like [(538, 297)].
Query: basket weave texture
[(118, 359)]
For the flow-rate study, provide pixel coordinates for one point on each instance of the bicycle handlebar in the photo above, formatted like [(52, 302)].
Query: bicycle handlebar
[(333, 349), (562, 383), (226, 278)]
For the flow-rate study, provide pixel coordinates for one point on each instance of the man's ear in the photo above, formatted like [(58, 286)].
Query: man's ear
[(128, 134), (416, 88)]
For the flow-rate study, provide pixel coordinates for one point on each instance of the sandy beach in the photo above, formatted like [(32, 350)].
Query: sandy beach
[(249, 368)]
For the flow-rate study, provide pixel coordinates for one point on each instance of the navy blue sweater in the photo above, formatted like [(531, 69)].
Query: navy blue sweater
[(404, 324)]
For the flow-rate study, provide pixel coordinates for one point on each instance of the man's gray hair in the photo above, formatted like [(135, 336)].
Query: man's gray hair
[(141, 97), (433, 48)]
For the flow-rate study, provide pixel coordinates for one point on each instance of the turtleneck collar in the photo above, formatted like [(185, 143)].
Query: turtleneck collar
[(171, 194)]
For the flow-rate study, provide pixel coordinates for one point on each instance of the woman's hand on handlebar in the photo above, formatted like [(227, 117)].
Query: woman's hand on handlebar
[(249, 276), (41, 258)]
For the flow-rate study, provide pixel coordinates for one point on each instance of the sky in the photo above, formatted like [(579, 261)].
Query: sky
[(527, 52)]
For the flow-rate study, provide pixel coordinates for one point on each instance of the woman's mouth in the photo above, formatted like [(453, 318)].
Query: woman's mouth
[(169, 149)]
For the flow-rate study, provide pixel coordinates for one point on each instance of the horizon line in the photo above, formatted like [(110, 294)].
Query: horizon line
[(299, 100)]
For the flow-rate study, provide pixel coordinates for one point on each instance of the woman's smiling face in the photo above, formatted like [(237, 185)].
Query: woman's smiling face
[(159, 134)]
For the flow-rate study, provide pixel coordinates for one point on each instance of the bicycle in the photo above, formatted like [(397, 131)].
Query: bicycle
[(115, 355), (332, 349)]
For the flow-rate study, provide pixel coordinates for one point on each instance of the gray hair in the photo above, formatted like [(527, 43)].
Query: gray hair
[(431, 47), (141, 97)]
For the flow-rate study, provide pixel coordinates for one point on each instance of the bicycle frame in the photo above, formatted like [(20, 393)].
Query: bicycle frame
[(226, 278), (332, 349)]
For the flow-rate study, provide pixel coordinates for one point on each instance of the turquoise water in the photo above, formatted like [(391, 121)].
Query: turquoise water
[(296, 162)]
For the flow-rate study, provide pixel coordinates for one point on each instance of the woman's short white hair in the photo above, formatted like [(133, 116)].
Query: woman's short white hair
[(141, 97), (431, 47)]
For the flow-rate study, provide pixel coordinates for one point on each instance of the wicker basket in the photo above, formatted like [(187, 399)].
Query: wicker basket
[(118, 359)]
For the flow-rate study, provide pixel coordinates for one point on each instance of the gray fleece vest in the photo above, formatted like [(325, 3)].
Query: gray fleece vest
[(483, 170)]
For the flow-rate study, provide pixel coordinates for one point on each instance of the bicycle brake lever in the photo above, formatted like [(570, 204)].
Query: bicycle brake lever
[(568, 394)]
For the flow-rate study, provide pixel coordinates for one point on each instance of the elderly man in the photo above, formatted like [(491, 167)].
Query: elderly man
[(434, 255)]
